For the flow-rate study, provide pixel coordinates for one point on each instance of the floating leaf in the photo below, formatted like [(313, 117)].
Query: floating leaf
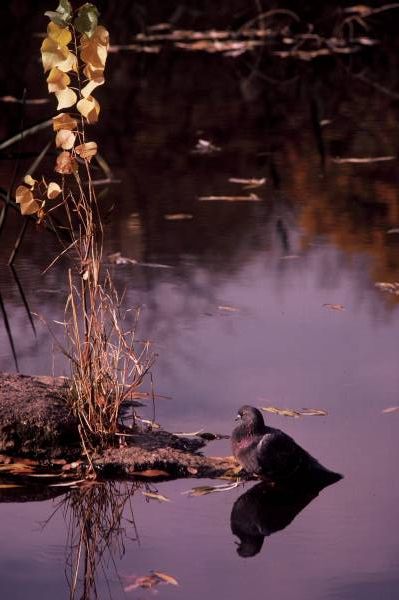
[(6, 486), (166, 578), (87, 19), (53, 190), (87, 150), (391, 288), (65, 164), (66, 98), (156, 496), (227, 308), (178, 217), (248, 183), (61, 35), (24, 197), (203, 490), (57, 80), (313, 412), (390, 409), (151, 473), (65, 139), (291, 412), (249, 198), (338, 307), (28, 179), (89, 108), (62, 15), (64, 121)]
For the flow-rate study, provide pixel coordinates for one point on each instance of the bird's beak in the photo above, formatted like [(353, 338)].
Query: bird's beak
[(238, 418)]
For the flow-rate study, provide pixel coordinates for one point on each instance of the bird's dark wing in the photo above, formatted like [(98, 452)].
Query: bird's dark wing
[(279, 456)]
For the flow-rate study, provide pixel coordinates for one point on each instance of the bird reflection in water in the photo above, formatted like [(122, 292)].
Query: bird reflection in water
[(266, 509)]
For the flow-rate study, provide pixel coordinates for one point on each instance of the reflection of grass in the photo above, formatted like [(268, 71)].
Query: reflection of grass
[(97, 530)]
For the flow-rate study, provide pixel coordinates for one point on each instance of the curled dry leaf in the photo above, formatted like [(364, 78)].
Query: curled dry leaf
[(66, 98), (53, 190), (291, 412), (156, 496), (89, 108), (24, 197), (87, 150), (65, 164), (57, 80), (89, 87), (338, 307), (64, 121), (58, 34), (94, 50), (166, 578), (53, 54), (28, 179), (65, 139)]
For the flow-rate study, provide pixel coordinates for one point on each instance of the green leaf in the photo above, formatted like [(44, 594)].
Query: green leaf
[(62, 15), (87, 19)]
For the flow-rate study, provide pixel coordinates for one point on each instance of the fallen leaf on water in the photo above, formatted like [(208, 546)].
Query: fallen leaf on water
[(390, 409), (362, 161), (178, 217), (16, 468), (249, 198), (391, 288), (205, 147), (284, 412), (290, 257), (313, 412), (156, 496), (150, 581), (5, 486), (150, 473), (166, 578), (227, 308), (394, 230), (334, 306), (203, 490), (248, 183)]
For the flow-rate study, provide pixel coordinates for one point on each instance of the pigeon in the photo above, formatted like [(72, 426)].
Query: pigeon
[(273, 455)]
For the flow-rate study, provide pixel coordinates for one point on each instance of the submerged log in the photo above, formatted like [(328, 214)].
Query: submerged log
[(35, 421)]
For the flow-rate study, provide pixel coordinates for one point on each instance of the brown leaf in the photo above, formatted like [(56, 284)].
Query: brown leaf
[(338, 307), (178, 217), (53, 190), (65, 139), (28, 204), (65, 163), (57, 80), (89, 108), (166, 578), (66, 98), (151, 473), (87, 150), (156, 496), (64, 121)]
